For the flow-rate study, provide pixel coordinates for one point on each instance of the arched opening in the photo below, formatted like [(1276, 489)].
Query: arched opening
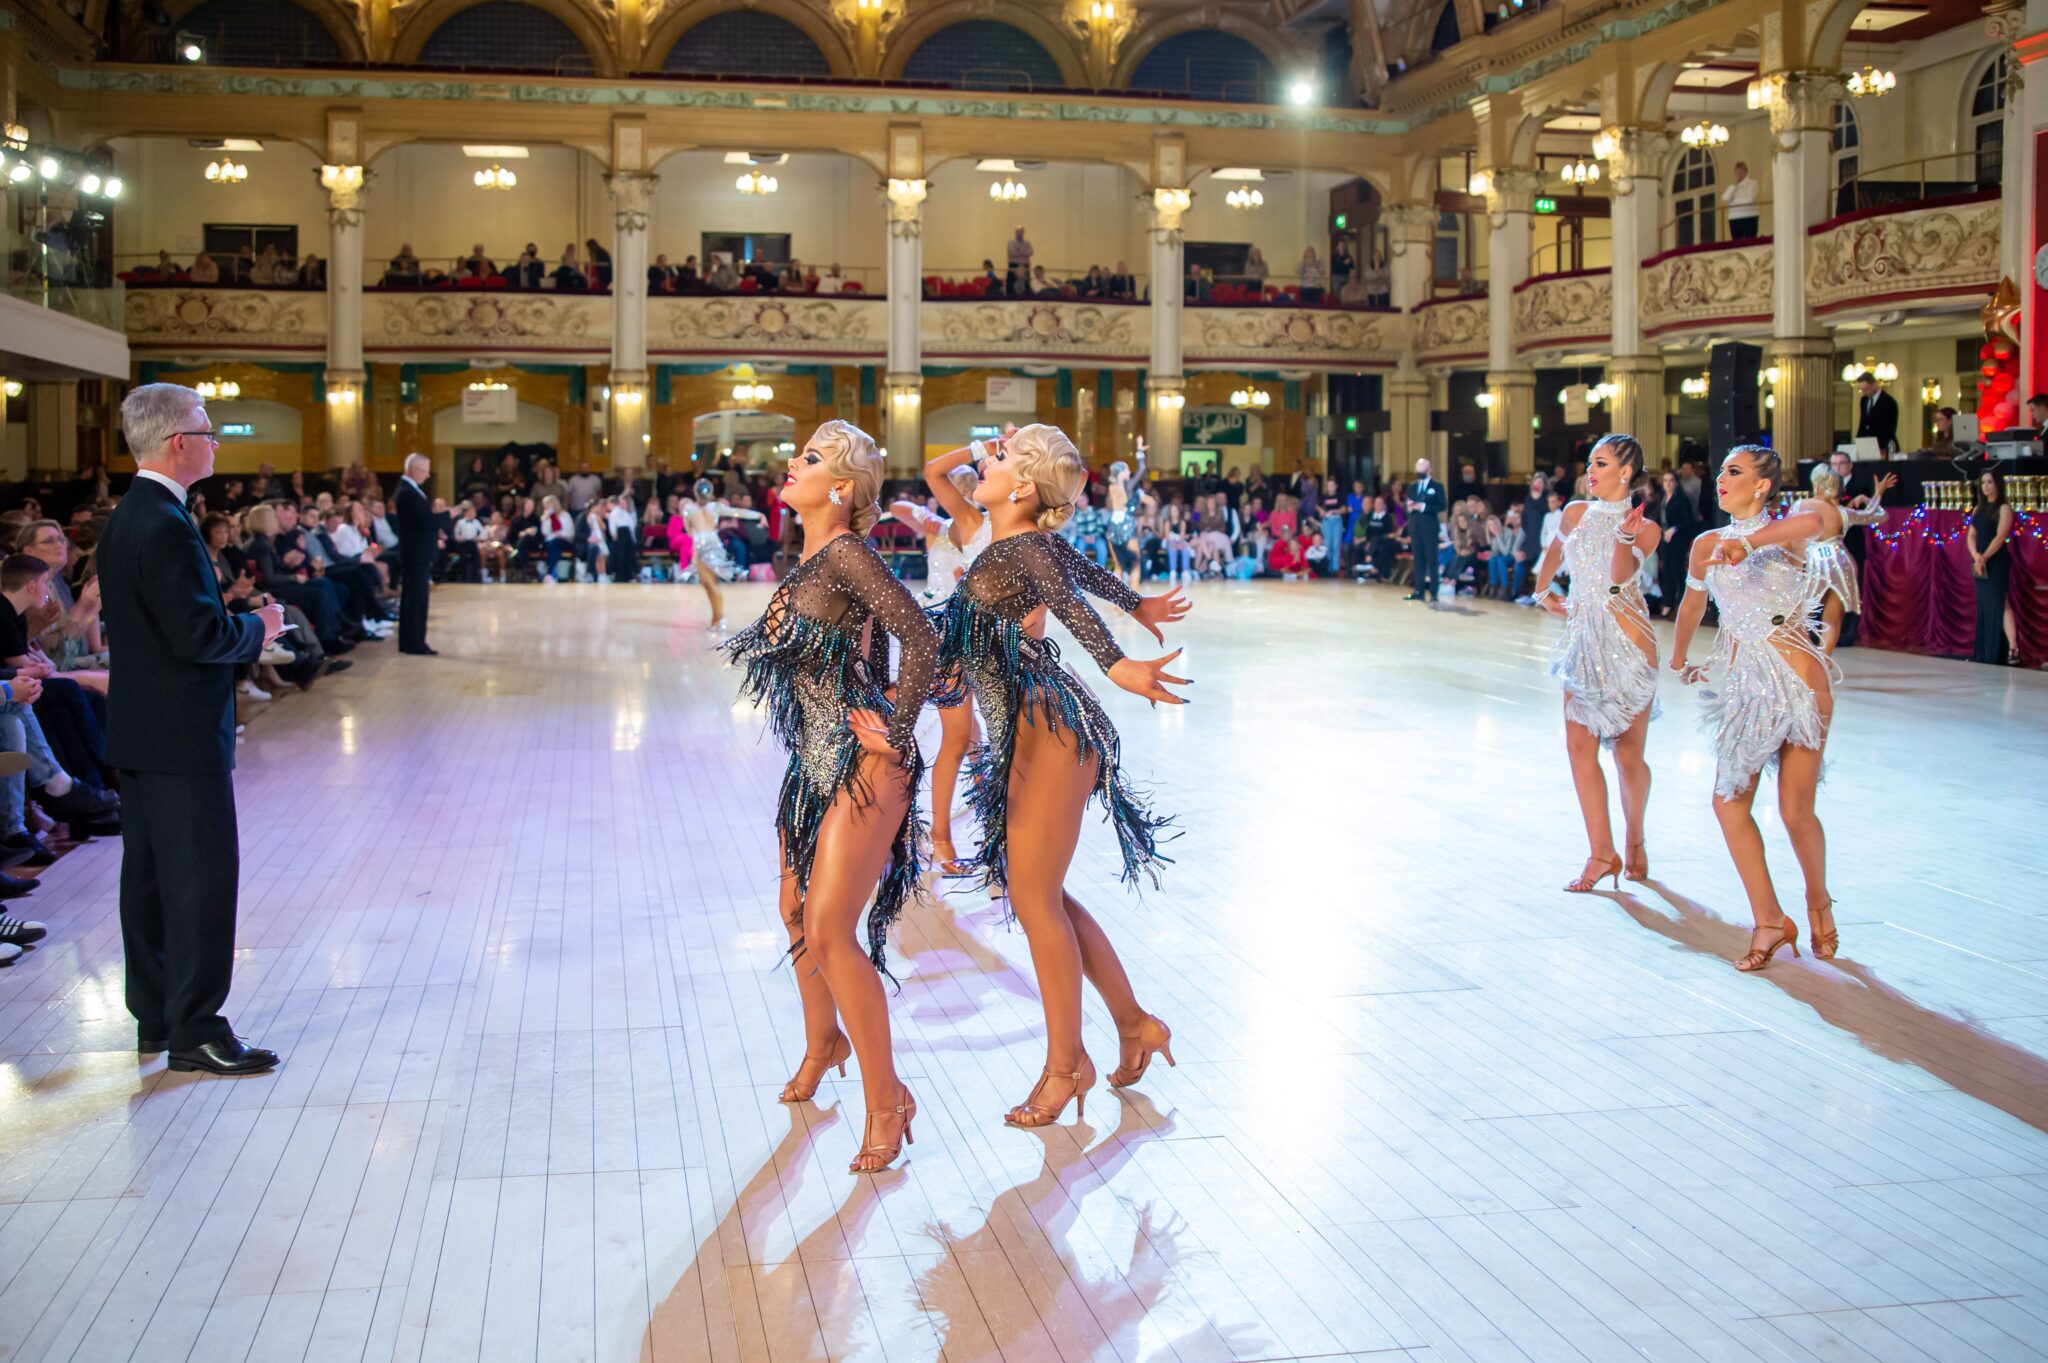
[(1446, 34), (1985, 135), (507, 35), (981, 54), (751, 438), (1692, 198), (744, 42), (1206, 63), (1845, 143), (261, 33)]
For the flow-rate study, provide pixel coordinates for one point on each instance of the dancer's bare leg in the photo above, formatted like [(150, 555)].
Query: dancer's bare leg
[(1798, 782), (1830, 623), (708, 580), (1632, 770), (956, 735), (822, 1037), (1583, 750), (853, 850)]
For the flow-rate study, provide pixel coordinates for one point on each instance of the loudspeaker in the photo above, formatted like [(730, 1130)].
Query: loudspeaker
[(1734, 414)]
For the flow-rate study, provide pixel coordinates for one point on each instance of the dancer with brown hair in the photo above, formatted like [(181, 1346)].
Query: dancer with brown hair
[(819, 659), (1607, 657), (1050, 747), (1774, 691)]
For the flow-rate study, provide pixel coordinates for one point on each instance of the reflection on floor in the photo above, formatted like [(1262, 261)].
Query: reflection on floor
[(508, 914)]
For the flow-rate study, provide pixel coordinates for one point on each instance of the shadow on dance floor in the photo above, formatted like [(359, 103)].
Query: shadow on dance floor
[(1851, 997)]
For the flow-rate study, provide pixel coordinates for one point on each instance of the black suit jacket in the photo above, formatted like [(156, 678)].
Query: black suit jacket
[(1430, 495), (1878, 417), (171, 691), (412, 516)]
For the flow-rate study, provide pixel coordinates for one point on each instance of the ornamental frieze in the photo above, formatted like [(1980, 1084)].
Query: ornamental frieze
[(1036, 326), (1726, 283), (771, 323), (1916, 253), (1457, 327), (249, 317), (1292, 333), (451, 319), (1574, 308)]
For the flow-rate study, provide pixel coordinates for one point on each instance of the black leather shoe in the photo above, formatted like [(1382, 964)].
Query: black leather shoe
[(13, 887), (230, 1056), (335, 665), (25, 847), (79, 802), (150, 1045), (422, 652)]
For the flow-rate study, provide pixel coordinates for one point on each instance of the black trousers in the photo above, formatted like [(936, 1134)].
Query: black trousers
[(416, 579), (1427, 568), (180, 868), (76, 728)]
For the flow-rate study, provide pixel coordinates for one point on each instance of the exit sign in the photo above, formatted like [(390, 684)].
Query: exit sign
[(1546, 205), (237, 428), (1343, 221)]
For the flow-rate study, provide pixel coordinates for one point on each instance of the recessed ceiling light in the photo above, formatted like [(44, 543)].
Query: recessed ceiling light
[(1000, 165), (1878, 18), (1237, 173), (756, 158), (489, 153)]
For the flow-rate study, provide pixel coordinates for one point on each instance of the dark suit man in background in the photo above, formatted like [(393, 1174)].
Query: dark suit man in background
[(1425, 525), (419, 545), (1877, 413), (171, 735)]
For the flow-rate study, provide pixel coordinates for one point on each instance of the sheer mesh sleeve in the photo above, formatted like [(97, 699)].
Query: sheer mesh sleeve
[(1047, 571), (863, 576), (1872, 514), (1092, 577)]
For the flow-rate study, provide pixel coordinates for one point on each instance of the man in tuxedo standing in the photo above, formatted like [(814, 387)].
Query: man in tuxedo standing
[(1425, 527), (171, 735), (419, 544), (1877, 413)]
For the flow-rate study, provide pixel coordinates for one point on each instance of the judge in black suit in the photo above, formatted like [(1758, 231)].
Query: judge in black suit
[(171, 735), (419, 545), (1425, 525), (1877, 413)]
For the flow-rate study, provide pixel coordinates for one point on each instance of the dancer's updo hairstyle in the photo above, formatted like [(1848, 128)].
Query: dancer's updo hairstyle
[(1044, 457), (850, 453), (705, 491), (1768, 465), (1629, 451), (964, 478), (1826, 483)]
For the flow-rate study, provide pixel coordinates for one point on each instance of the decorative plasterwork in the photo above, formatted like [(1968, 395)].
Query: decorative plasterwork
[(1549, 313), (1039, 326), (1294, 335), (1695, 290), (1917, 254), (442, 321), (632, 199), (1453, 329), (838, 326), (230, 318)]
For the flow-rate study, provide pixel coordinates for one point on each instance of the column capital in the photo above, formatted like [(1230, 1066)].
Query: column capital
[(1632, 153), (1505, 379), (1411, 224), (344, 186), (632, 195), (2006, 22), (906, 206), (1169, 204), (1798, 101), (1508, 189)]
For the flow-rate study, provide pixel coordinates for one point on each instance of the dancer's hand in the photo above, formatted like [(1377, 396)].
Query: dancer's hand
[(1632, 522), (1730, 552), (1149, 678), (1882, 486), (873, 734), (1162, 609)]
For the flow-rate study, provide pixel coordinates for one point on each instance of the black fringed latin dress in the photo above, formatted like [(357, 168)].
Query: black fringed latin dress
[(983, 641), (804, 660)]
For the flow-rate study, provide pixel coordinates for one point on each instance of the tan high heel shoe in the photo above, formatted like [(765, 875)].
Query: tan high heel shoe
[(874, 1156), (841, 1052), (1638, 871), (1757, 959), (1153, 1038), (1030, 1114), (1595, 871), (946, 859), (1824, 944)]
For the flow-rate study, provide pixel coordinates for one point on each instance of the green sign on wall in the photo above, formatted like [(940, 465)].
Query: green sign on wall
[(1212, 428)]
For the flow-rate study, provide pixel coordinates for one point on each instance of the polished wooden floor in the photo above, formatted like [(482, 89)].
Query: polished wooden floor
[(508, 914)]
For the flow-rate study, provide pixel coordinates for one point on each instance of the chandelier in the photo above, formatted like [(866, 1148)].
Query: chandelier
[(1870, 82), (1581, 173), (1251, 397), (225, 389), (752, 392), (1245, 197), (226, 172), (1008, 191), (754, 182), (497, 177), (1596, 393), (1704, 134), (1694, 387), (1884, 372)]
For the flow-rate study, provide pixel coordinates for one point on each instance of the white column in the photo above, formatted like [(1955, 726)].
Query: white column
[(1802, 106), (632, 196), (1165, 383), (2006, 26), (1411, 237), (1635, 157), (345, 374), (903, 396), (1511, 419)]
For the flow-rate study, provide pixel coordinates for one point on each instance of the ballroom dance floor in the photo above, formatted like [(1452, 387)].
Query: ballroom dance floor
[(509, 915)]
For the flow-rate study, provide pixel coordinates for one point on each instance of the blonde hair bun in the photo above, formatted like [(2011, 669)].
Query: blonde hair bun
[(851, 454), (1044, 457)]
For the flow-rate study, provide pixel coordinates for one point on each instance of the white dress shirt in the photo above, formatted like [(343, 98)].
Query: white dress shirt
[(1740, 199), (177, 488)]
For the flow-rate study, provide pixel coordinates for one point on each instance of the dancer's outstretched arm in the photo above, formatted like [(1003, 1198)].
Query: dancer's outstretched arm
[(1150, 611)]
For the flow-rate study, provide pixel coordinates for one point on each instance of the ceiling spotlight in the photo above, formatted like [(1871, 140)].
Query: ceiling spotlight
[(190, 49), (90, 184), (20, 172), (226, 172), (1008, 190), (1581, 173), (497, 177), (48, 167), (1301, 92), (754, 182), (112, 188), (1870, 83), (1704, 134), (1245, 197)]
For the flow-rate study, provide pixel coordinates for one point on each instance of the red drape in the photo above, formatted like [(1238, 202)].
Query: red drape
[(1919, 595)]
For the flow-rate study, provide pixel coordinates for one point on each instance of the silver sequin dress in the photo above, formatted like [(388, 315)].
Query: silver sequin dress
[(1830, 565), (1759, 702), (1607, 679)]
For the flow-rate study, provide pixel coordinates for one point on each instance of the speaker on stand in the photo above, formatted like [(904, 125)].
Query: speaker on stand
[(1734, 404)]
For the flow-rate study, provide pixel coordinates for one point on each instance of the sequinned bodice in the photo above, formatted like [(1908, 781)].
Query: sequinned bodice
[(1015, 576), (1589, 554), (1768, 590)]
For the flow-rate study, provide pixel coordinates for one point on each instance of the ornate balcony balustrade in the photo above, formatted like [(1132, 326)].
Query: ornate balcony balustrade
[(1305, 338), (226, 321), (1564, 311), (1450, 331), (1915, 255), (1724, 289)]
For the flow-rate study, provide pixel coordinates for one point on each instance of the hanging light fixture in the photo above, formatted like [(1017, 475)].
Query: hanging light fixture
[(1882, 371), (1581, 172), (1694, 387), (1704, 134), (752, 392), (1870, 82), (227, 390), (226, 172), (1257, 398), (1008, 191), (497, 177), (755, 182), (1244, 196)]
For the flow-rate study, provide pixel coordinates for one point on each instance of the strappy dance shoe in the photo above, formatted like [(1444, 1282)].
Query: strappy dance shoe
[(1031, 1114), (874, 1156), (1153, 1037), (1597, 869), (1757, 958), (1824, 944), (795, 1091)]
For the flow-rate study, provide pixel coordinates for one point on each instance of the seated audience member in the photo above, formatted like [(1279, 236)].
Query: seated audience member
[(528, 270), (494, 548), (1504, 537), (477, 264), (1382, 541), (292, 582), (1285, 558), (270, 269), (593, 552), (600, 264), (404, 269), (569, 274), (723, 277), (356, 538), (465, 543), (661, 276), (205, 270), (312, 272), (89, 812), (358, 581), (622, 526), (557, 536), (831, 281), (73, 717), (72, 639), (686, 276)]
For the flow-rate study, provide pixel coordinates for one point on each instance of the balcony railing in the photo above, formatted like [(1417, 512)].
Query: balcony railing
[(1722, 288), (215, 320), (1451, 331), (1928, 254), (1564, 310)]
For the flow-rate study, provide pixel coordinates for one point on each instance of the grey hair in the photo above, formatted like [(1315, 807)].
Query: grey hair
[(421, 457), (151, 415)]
